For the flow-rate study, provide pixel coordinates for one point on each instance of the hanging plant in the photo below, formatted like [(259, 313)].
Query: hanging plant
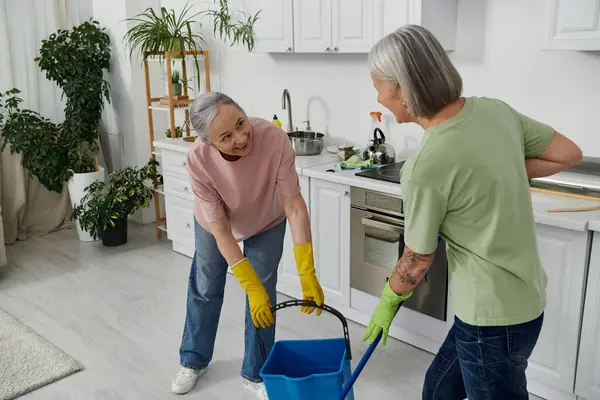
[(241, 31)]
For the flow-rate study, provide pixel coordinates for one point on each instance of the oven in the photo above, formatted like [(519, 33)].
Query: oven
[(377, 243)]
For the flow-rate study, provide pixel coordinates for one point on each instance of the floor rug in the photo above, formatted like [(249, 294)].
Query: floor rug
[(27, 361)]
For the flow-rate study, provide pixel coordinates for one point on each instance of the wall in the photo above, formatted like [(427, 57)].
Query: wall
[(497, 54)]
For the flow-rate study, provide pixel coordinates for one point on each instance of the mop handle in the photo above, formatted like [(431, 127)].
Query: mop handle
[(363, 362)]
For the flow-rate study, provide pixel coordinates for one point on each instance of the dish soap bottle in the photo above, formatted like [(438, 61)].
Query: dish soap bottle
[(276, 121)]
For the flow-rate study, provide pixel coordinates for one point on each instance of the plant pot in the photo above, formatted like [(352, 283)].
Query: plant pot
[(116, 236), (76, 185), (176, 46), (177, 89)]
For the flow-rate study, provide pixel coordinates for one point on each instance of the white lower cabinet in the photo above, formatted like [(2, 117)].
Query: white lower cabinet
[(330, 224), (552, 366), (587, 381)]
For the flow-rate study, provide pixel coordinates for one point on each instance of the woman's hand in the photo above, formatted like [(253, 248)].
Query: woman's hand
[(384, 314), (311, 289), (258, 299)]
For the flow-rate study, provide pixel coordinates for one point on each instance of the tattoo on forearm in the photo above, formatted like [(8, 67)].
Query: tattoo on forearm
[(411, 268)]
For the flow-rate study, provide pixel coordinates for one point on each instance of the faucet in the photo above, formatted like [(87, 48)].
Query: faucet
[(286, 104)]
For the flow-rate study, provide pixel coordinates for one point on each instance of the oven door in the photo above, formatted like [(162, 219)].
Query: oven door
[(376, 244)]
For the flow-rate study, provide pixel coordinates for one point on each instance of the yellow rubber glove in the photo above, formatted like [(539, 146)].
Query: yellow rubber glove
[(258, 299), (311, 289)]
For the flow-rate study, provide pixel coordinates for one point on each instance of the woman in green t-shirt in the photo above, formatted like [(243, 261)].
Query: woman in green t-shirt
[(469, 184)]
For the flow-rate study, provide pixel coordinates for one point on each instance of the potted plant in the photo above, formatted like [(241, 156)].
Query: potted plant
[(178, 133), (176, 83), (234, 31), (76, 61), (164, 31), (105, 206)]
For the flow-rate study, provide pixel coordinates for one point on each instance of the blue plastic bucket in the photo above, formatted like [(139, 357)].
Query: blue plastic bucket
[(308, 369)]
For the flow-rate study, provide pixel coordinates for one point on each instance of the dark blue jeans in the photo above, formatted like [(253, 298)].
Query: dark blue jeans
[(482, 362), (206, 288)]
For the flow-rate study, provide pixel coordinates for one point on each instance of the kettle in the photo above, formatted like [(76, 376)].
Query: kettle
[(379, 151)]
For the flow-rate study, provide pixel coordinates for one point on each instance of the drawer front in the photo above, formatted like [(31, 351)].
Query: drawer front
[(179, 186), (180, 219), (174, 161)]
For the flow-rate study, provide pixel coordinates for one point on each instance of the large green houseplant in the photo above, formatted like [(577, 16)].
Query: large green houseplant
[(104, 208)]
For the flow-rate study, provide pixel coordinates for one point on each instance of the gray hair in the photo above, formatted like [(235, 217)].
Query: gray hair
[(414, 60), (206, 108)]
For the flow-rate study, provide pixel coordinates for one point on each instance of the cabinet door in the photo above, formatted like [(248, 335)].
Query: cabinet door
[(312, 26), (564, 257), (587, 383), (330, 223), (572, 25), (352, 26), (389, 16), (288, 281), (274, 29)]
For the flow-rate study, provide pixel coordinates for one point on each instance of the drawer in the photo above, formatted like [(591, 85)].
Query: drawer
[(174, 161), (179, 186), (180, 219)]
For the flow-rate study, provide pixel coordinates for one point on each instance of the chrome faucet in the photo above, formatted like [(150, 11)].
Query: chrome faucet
[(286, 104)]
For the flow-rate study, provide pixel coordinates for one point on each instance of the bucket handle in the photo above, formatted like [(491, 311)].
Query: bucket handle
[(308, 303)]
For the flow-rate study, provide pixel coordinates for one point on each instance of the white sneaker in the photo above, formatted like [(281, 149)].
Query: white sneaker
[(258, 389), (185, 380)]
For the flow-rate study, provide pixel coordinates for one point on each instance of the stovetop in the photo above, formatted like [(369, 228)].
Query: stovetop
[(388, 173)]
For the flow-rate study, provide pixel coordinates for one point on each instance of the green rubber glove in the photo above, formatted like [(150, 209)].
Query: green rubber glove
[(384, 314)]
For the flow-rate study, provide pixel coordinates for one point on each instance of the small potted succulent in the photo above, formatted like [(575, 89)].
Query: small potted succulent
[(105, 206), (176, 83)]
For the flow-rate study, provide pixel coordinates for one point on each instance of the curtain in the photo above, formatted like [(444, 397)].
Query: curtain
[(26, 207)]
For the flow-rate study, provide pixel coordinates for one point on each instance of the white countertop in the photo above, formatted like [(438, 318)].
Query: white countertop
[(317, 166), (578, 221), (302, 162)]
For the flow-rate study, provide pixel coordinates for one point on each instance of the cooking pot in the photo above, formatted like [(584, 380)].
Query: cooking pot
[(379, 151)]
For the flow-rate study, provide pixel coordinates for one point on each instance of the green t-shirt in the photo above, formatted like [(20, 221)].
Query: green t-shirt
[(468, 184)]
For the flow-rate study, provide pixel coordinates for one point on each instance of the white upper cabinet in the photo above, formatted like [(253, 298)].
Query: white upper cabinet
[(438, 16), (312, 26), (572, 25), (274, 29), (352, 26)]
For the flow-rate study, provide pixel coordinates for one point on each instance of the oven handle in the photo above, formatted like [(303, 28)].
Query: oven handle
[(369, 221)]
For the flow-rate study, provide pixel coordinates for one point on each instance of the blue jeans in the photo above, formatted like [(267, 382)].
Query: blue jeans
[(206, 288), (482, 362)]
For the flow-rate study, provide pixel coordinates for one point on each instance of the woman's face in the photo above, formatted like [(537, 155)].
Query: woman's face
[(231, 132), (390, 96)]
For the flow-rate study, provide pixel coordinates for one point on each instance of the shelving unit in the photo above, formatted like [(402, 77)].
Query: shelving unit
[(174, 105)]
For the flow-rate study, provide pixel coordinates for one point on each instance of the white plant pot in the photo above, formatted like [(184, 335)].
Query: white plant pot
[(77, 185)]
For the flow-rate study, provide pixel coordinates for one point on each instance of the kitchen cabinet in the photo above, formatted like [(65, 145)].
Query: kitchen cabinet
[(274, 29), (571, 25), (438, 16), (312, 26), (564, 256), (288, 281), (330, 224), (587, 382), (352, 26)]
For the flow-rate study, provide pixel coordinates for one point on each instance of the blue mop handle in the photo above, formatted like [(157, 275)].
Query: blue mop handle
[(362, 363)]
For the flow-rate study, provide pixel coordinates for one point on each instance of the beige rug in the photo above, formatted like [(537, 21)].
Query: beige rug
[(27, 361)]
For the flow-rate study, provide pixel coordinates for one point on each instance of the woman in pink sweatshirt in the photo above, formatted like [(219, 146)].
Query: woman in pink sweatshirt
[(245, 186)]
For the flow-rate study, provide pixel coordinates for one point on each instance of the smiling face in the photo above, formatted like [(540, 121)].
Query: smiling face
[(391, 97), (231, 132)]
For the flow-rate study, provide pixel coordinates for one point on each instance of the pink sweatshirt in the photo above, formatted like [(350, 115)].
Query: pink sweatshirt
[(247, 191)]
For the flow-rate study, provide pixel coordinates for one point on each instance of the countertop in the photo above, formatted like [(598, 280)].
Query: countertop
[(302, 162), (578, 221), (317, 166)]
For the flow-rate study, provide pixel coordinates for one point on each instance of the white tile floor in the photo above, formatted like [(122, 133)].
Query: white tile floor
[(120, 312)]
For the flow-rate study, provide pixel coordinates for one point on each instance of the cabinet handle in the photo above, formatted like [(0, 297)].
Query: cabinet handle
[(185, 189), (183, 164), (328, 50), (288, 50), (188, 225), (336, 49), (346, 193)]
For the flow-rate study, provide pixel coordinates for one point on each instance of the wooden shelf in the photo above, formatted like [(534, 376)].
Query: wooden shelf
[(163, 107), (160, 189), (163, 227)]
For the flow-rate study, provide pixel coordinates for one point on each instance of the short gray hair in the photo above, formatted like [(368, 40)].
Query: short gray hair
[(414, 60), (206, 108)]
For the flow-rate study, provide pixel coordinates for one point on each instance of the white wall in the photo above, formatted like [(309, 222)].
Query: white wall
[(496, 53)]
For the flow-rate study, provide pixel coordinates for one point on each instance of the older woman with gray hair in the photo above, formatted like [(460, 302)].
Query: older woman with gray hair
[(244, 180), (468, 183)]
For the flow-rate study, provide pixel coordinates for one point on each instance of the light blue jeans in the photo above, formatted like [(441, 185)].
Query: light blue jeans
[(206, 288)]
